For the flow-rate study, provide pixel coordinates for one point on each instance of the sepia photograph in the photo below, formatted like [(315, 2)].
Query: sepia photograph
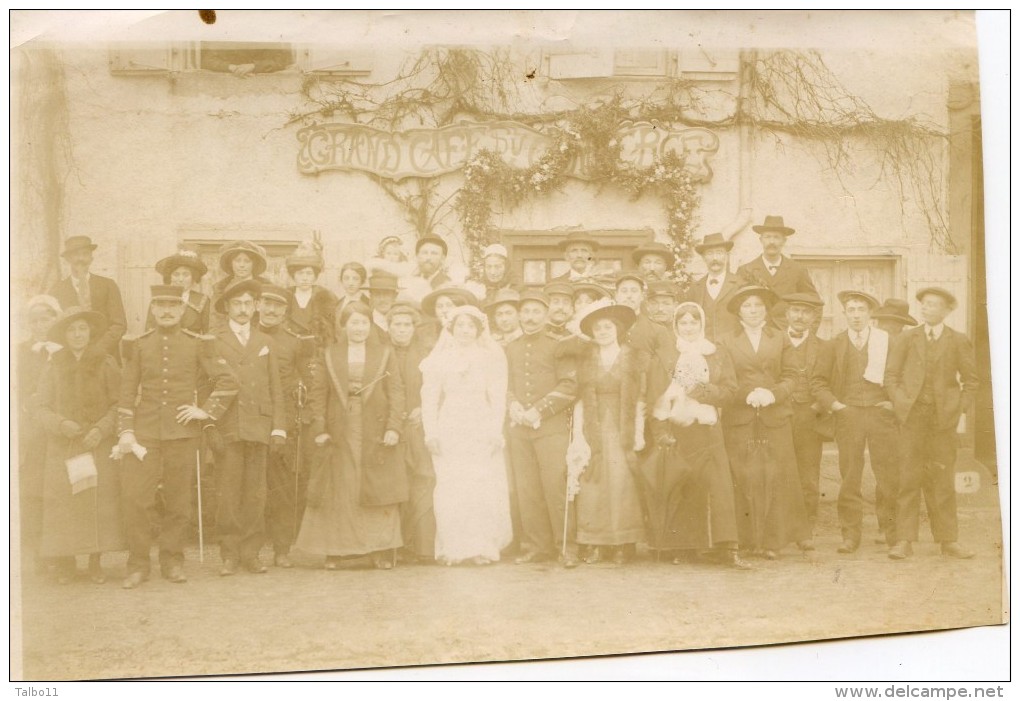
[(352, 340)]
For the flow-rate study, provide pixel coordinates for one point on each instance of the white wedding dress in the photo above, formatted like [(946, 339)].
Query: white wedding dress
[(463, 409)]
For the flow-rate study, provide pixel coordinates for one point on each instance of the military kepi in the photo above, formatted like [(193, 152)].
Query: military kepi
[(167, 293)]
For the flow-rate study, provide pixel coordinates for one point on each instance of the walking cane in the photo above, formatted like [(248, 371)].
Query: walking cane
[(302, 395), (198, 487)]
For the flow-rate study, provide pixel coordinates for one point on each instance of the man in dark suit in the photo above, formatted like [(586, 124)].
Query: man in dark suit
[(772, 269), (287, 472), (811, 424), (714, 291), (848, 380), (172, 383), (542, 388), (893, 316), (931, 377), (241, 439), (94, 292)]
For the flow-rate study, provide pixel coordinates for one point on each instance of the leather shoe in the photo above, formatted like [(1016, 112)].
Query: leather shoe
[(229, 568), (847, 547), (806, 545), (593, 556), (901, 550), (531, 556), (569, 561), (175, 574), (255, 566), (733, 559), (770, 555), (135, 580), (956, 550), (283, 560)]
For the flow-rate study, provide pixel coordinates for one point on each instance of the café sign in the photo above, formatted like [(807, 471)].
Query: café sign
[(426, 153)]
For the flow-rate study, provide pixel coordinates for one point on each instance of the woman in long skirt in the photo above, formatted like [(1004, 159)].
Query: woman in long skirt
[(76, 406), (759, 438), (359, 480)]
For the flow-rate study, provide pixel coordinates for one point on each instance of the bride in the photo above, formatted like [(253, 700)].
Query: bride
[(463, 407)]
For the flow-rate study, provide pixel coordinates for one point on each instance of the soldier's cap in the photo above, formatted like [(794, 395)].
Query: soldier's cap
[(767, 296), (662, 288), (252, 287), (559, 287), (507, 295), (430, 239), (629, 275), (534, 296), (653, 248), (167, 293), (846, 295), (804, 299), (276, 292), (940, 292), (96, 321)]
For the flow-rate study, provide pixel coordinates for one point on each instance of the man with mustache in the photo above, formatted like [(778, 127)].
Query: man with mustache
[(173, 381), (772, 269), (713, 291)]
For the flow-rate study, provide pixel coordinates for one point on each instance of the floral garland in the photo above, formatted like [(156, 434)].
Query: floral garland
[(487, 176)]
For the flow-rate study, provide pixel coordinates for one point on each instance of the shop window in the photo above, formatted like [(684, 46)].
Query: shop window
[(536, 258)]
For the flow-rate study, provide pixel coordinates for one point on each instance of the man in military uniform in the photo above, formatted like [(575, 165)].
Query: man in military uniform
[(287, 474), (241, 438), (811, 423), (172, 382), (560, 296), (714, 290), (542, 388), (848, 380)]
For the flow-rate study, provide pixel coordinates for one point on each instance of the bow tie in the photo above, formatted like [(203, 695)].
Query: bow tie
[(773, 269), (794, 334), (713, 281)]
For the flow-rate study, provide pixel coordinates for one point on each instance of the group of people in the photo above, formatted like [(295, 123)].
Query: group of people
[(414, 418)]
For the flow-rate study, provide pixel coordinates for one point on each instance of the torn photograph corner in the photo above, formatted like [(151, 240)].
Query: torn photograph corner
[(390, 339)]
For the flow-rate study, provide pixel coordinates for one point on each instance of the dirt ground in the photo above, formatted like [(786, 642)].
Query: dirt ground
[(311, 619)]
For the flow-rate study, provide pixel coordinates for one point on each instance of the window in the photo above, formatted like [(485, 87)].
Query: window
[(605, 63), (244, 58), (217, 57), (536, 257)]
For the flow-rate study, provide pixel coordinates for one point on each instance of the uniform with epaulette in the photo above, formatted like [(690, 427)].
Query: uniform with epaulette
[(287, 473), (543, 376), (251, 422), (165, 368)]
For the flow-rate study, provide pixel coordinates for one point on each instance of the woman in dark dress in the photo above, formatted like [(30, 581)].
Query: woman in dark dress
[(314, 306), (759, 438), (185, 269), (357, 486), (76, 406)]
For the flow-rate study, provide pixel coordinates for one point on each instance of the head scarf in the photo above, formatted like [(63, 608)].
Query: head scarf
[(691, 366)]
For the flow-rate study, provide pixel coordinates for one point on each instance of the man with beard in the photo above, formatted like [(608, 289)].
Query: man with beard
[(713, 291), (254, 421), (172, 382), (542, 388), (430, 252), (772, 269), (287, 474)]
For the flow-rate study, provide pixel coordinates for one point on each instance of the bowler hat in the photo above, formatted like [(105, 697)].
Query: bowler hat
[(252, 287), (653, 248), (276, 292), (459, 295), (941, 292), (166, 293), (559, 287), (846, 295), (507, 295), (804, 299), (579, 237), (183, 258), (713, 241), (768, 297), (773, 223), (95, 320), (895, 310), (623, 315), (430, 239), (381, 281), (76, 243), (232, 249)]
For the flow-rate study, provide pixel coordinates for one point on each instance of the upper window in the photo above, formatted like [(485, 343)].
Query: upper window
[(242, 59)]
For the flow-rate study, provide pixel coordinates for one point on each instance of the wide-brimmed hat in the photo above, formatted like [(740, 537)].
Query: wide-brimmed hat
[(804, 299), (713, 241), (654, 248), (559, 287), (76, 243), (96, 321), (305, 256), (507, 295), (941, 292), (381, 281), (459, 295), (229, 251), (768, 297), (430, 239), (846, 295), (596, 290), (578, 237), (657, 288), (280, 294), (252, 287), (184, 258), (623, 315), (774, 223), (895, 309)]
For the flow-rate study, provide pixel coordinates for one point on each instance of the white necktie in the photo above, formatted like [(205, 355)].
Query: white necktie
[(242, 336)]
